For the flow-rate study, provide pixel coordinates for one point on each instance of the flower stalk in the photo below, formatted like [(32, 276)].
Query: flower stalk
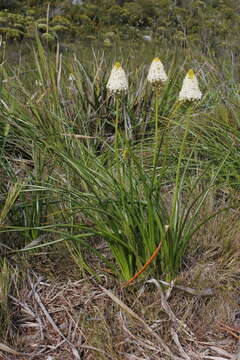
[(157, 77), (117, 85)]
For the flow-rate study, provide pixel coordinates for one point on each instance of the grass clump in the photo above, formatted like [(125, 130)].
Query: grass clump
[(114, 188), (129, 184)]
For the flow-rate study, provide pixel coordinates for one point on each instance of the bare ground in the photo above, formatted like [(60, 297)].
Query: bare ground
[(89, 319)]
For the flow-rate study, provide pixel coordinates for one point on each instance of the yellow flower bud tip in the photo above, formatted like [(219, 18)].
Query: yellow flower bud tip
[(156, 59), (117, 65), (191, 74)]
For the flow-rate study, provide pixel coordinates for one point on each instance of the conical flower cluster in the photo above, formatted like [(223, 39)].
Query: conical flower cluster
[(157, 74), (190, 89), (117, 81)]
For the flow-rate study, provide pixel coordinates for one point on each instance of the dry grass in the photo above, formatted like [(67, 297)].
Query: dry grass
[(85, 319)]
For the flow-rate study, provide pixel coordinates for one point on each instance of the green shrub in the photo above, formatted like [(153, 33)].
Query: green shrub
[(136, 15), (9, 4), (11, 34), (116, 15)]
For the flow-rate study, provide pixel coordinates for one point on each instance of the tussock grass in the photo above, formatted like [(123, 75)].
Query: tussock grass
[(70, 188)]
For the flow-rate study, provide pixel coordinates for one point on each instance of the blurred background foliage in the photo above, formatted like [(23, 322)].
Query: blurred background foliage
[(206, 23)]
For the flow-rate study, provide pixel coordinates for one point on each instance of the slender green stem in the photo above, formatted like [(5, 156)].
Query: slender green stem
[(116, 128), (156, 130), (116, 152), (176, 106), (177, 181)]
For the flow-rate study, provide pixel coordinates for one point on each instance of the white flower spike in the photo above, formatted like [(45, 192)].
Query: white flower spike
[(117, 81), (190, 89), (156, 73)]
